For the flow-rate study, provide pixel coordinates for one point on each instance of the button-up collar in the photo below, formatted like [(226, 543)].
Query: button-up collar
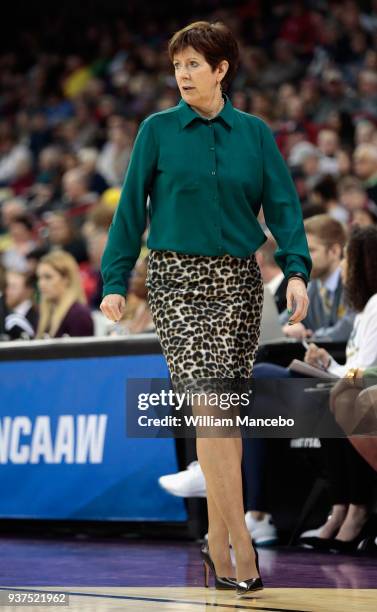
[(187, 114)]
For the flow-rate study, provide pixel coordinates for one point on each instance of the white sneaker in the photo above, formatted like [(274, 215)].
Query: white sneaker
[(188, 483), (314, 533), (311, 533), (263, 532)]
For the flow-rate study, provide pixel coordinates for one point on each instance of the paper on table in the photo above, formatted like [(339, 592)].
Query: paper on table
[(311, 371)]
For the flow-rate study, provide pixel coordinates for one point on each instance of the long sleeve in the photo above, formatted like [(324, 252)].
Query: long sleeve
[(282, 209), (129, 222), (339, 332), (361, 351)]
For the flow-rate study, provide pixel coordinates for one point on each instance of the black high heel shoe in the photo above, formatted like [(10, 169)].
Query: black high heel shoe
[(221, 582), (340, 546), (252, 584), (315, 543)]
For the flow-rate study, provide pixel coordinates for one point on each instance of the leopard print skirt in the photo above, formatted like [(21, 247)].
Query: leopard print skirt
[(207, 313)]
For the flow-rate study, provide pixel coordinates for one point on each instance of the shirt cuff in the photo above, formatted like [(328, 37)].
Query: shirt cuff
[(298, 275), (116, 289)]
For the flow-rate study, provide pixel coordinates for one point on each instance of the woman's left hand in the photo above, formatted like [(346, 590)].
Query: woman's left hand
[(296, 294)]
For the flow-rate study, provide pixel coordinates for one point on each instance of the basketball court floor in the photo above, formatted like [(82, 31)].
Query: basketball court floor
[(107, 574)]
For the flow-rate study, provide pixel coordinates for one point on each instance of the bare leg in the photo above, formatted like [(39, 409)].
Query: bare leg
[(220, 460), (218, 534), (338, 514), (357, 516), (218, 539)]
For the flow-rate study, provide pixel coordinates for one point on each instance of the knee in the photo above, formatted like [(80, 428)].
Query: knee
[(269, 370)]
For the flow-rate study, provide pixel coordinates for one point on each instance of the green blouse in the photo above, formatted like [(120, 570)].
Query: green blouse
[(206, 181)]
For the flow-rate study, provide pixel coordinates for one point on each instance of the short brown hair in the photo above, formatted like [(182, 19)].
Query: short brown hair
[(328, 230), (213, 40)]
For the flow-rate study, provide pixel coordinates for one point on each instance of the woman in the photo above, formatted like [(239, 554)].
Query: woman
[(21, 232), (207, 167), (62, 309), (351, 478)]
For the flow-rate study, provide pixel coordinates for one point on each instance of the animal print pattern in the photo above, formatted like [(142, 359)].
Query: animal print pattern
[(207, 313)]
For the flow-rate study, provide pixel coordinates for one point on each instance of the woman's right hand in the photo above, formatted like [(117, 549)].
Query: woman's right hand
[(113, 306), (317, 357)]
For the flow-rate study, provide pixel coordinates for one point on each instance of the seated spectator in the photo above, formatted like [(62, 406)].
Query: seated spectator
[(272, 275), (22, 315), (40, 134), (49, 164), (49, 167), (344, 163), (324, 193), (367, 94), (304, 158), (352, 195), (62, 235), (114, 157), (365, 216), (341, 123), (43, 198), (365, 162), (328, 318), (21, 232), (351, 478), (23, 179), (336, 96), (77, 199), (328, 145), (63, 310), (88, 158), (14, 156), (10, 209), (364, 132), (68, 160), (296, 121)]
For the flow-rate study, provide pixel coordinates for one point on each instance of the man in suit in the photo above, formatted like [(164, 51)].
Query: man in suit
[(328, 316)]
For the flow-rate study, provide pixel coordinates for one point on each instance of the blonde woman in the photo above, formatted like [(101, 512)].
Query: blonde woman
[(63, 309)]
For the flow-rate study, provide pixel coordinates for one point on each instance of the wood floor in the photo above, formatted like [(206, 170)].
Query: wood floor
[(105, 574), (198, 599)]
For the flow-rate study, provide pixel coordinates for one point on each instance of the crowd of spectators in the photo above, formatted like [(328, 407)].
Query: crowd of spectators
[(71, 103)]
